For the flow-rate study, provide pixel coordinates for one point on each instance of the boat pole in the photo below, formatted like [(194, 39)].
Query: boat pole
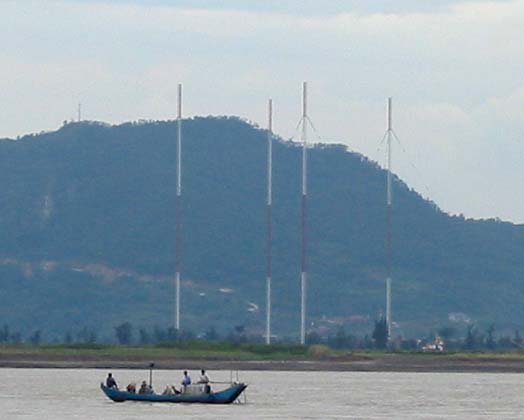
[(303, 275), (389, 222), (269, 219), (178, 210), (151, 366)]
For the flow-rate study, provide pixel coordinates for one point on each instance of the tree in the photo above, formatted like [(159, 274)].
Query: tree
[(36, 338), (124, 333), (410, 344), (93, 337), (380, 333), (446, 332), (144, 336), (159, 334), (490, 339), (211, 334), (367, 342), (342, 340), (185, 335), (85, 335), (517, 339), (505, 342), (4, 333), (471, 338), (238, 334), (313, 338), (16, 337), (172, 334)]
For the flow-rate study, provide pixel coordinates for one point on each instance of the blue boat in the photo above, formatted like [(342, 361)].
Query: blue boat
[(226, 396)]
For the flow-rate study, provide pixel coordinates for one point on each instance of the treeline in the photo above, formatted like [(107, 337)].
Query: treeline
[(37, 337), (449, 338)]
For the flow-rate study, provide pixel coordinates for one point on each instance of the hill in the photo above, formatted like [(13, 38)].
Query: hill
[(87, 236)]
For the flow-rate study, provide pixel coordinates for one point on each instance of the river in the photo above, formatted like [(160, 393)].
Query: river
[(59, 394)]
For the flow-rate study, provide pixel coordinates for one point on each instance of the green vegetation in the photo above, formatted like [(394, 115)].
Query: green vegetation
[(188, 350), (87, 220), (232, 352), (243, 346), (381, 333)]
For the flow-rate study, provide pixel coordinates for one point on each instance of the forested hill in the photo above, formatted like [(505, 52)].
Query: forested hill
[(87, 216)]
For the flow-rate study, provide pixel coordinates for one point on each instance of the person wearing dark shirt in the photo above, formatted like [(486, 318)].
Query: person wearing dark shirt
[(110, 381)]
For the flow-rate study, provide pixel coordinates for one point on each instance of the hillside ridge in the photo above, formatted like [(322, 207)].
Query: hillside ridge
[(98, 195)]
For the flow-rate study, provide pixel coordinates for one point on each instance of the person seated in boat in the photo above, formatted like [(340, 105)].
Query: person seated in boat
[(168, 390), (145, 388), (131, 388), (186, 380), (204, 379), (110, 381)]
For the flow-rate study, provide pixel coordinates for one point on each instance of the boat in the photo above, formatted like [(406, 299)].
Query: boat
[(191, 394)]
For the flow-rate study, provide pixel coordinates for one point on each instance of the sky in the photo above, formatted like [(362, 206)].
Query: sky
[(455, 71)]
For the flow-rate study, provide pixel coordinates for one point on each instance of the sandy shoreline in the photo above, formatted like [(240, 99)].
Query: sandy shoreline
[(356, 363)]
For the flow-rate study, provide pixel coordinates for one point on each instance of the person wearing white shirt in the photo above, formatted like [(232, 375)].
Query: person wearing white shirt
[(204, 379)]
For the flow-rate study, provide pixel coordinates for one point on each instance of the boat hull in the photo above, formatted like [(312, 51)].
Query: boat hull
[(226, 396)]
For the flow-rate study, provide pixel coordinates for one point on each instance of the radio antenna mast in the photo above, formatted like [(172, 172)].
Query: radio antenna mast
[(178, 245), (303, 274), (269, 218), (389, 221)]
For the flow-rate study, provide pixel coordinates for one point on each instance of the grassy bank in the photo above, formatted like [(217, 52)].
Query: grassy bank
[(234, 356), (235, 351), (185, 350)]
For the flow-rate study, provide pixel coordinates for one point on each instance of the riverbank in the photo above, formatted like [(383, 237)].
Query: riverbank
[(116, 357)]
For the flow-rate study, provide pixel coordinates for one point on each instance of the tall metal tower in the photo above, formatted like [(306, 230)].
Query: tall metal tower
[(303, 274), (178, 245), (389, 135), (269, 218)]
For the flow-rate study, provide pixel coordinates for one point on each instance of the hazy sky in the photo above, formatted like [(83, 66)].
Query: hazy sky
[(455, 70)]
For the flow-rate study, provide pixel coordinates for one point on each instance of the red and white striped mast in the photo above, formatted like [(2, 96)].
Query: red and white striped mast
[(303, 274), (269, 219), (389, 221), (178, 210)]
